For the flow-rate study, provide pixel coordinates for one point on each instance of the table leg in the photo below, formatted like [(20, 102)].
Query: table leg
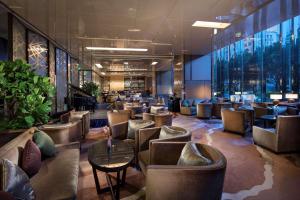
[(124, 177), (109, 182), (118, 186), (96, 180)]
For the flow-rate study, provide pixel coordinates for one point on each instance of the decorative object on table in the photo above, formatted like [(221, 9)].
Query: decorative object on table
[(26, 95), (291, 97), (235, 98), (276, 100)]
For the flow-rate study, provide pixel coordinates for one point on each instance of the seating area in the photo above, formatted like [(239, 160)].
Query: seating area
[(149, 100)]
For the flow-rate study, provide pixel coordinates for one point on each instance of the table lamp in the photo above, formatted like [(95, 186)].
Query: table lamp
[(276, 98), (291, 97)]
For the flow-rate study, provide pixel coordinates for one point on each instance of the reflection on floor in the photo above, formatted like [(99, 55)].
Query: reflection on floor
[(252, 172)]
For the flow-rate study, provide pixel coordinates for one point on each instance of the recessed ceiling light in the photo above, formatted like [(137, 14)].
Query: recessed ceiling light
[(115, 49), (206, 24), (134, 30), (99, 65), (154, 63), (103, 73)]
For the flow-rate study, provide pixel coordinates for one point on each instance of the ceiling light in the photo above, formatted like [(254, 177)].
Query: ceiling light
[(206, 24), (154, 63), (134, 30), (125, 63), (103, 73), (99, 65), (115, 49), (178, 63)]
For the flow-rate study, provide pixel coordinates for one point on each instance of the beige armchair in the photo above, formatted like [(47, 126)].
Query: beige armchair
[(85, 118), (134, 109), (115, 117), (149, 135), (234, 121), (204, 110), (285, 138), (167, 180), (120, 131), (64, 133), (159, 119)]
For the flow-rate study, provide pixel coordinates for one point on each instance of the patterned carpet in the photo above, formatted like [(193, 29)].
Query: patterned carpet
[(252, 172)]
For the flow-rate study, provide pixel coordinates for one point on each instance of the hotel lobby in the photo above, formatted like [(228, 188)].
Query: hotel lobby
[(149, 100)]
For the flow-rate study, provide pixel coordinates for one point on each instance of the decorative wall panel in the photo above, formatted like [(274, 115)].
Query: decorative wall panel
[(38, 53), (74, 72), (61, 79), (52, 72), (19, 40), (3, 34)]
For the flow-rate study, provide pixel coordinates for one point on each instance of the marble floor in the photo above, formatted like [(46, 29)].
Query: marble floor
[(252, 172)]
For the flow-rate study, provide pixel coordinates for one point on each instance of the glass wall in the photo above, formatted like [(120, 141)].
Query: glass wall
[(263, 61)]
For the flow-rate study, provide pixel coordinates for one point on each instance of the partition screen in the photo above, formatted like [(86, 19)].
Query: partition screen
[(61, 79)]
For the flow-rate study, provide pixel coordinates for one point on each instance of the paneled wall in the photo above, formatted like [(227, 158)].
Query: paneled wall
[(117, 83), (197, 73)]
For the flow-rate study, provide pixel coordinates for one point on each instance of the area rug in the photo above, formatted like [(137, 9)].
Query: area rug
[(252, 172)]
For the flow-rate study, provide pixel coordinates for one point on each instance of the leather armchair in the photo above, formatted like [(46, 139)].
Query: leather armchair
[(167, 180), (204, 110), (285, 138), (234, 121), (150, 135), (118, 116), (159, 119), (134, 109), (217, 107), (85, 118)]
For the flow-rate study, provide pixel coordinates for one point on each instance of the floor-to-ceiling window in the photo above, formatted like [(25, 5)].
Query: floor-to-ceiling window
[(296, 63)]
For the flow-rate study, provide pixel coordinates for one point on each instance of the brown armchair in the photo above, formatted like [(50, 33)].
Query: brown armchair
[(234, 121), (167, 180), (159, 119), (120, 131), (217, 107), (118, 116), (85, 118), (204, 110), (285, 138), (149, 135)]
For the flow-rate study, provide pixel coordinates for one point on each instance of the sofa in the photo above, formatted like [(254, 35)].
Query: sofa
[(57, 177), (189, 106), (167, 180)]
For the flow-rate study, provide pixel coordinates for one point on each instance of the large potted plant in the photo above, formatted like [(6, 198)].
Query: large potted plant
[(27, 96), (91, 88)]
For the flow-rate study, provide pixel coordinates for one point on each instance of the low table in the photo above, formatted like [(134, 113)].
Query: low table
[(268, 118), (108, 160)]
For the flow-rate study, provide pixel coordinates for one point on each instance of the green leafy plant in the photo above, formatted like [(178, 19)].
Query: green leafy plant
[(91, 88), (27, 96)]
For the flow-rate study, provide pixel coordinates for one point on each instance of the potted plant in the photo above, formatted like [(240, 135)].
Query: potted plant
[(92, 89), (26, 95)]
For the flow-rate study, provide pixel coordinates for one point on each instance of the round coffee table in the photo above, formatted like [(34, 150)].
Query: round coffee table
[(108, 160)]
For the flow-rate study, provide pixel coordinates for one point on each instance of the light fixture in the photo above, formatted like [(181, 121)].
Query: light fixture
[(125, 63), (115, 49), (134, 30), (206, 24), (179, 63), (154, 63), (238, 93), (99, 65), (276, 98), (291, 97), (103, 73), (215, 31)]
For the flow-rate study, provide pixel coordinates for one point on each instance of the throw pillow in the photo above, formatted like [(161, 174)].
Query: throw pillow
[(15, 181), (6, 196), (170, 131), (31, 158), (45, 143), (191, 155), (135, 125), (185, 103)]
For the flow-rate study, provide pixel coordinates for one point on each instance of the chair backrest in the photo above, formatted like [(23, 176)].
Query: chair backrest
[(118, 117), (148, 116), (163, 119), (288, 133), (234, 121), (260, 111)]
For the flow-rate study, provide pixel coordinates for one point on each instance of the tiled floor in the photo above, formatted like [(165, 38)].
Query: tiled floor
[(252, 172)]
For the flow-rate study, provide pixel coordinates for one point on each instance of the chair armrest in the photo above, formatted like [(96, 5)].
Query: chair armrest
[(119, 131), (144, 137), (72, 145), (165, 153), (266, 138)]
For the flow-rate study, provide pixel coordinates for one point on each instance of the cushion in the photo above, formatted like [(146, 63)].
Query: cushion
[(58, 176), (170, 131), (156, 109), (6, 196), (197, 101), (31, 158), (185, 103), (45, 143), (134, 125), (15, 181), (191, 155)]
